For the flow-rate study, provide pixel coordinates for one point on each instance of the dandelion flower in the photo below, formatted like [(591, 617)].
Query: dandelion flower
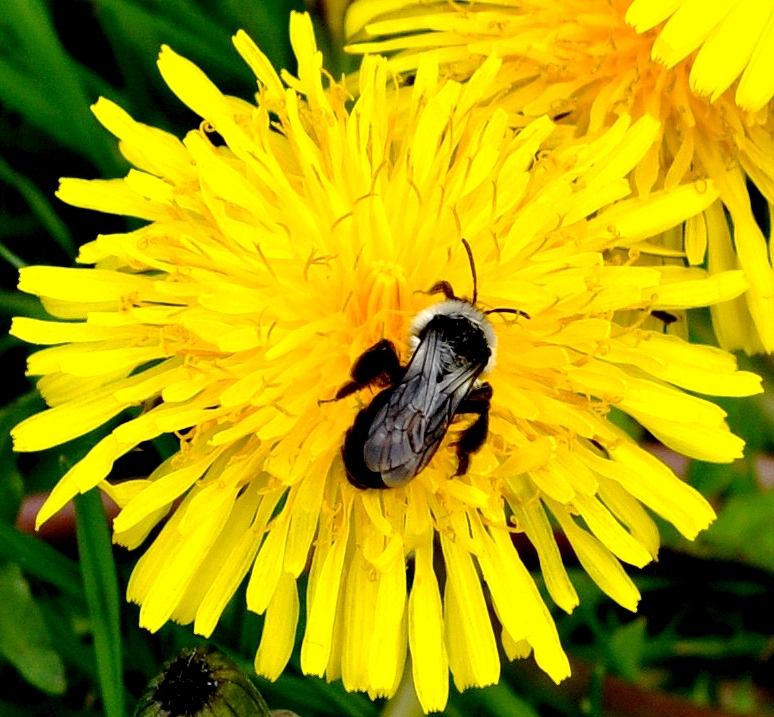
[(272, 258), (734, 39), (703, 71)]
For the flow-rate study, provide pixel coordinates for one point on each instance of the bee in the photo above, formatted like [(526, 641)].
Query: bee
[(453, 344)]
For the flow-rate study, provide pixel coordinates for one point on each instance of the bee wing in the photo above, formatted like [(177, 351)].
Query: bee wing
[(407, 430)]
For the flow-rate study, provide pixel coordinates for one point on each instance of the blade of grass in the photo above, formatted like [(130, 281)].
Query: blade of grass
[(100, 583), (186, 14), (146, 31), (19, 92), (267, 23), (14, 303), (40, 560), (40, 80), (40, 207), (15, 261), (22, 225)]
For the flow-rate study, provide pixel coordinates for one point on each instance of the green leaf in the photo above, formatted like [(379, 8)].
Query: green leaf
[(11, 485), (24, 638), (66, 621), (744, 698), (743, 530), (11, 489), (101, 586), (627, 644)]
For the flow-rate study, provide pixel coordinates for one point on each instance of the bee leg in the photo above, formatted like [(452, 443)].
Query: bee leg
[(441, 287), (477, 401), (379, 364)]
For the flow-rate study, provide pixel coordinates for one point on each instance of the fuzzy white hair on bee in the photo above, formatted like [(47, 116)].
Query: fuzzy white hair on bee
[(456, 309)]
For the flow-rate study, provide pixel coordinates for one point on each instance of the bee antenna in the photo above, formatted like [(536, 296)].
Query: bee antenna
[(518, 312), (472, 269)]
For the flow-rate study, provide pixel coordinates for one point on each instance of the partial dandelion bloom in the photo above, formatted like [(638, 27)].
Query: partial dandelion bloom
[(703, 70), (272, 258)]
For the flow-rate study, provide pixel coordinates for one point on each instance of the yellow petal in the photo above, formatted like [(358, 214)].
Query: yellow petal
[(727, 51), (598, 561), (325, 593), (756, 87), (532, 518), (279, 629), (472, 650), (688, 28), (635, 220), (65, 422), (113, 196), (81, 285), (430, 663)]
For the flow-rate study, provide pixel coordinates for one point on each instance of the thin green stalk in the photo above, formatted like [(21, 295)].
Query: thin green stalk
[(101, 586), (40, 207)]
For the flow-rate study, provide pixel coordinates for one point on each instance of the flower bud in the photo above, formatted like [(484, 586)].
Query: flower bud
[(201, 682)]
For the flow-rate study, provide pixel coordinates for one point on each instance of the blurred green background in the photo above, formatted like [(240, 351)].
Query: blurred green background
[(701, 644)]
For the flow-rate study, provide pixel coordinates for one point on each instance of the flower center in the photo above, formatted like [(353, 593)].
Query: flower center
[(381, 301)]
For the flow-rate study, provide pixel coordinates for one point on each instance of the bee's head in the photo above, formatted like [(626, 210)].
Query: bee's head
[(472, 331)]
